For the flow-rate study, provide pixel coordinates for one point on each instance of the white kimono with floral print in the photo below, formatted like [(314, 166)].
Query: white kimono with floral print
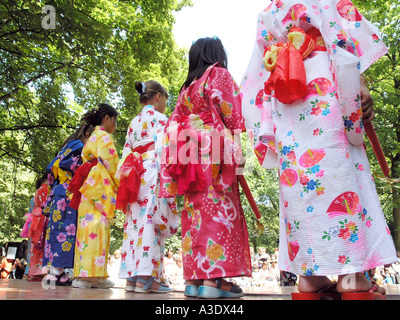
[(151, 219), (331, 221)]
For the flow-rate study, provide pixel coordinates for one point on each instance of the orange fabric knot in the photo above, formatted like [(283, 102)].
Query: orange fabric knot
[(285, 62), (301, 41), (270, 58)]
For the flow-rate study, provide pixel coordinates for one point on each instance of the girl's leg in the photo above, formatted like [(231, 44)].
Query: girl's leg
[(194, 282), (313, 284), (356, 282)]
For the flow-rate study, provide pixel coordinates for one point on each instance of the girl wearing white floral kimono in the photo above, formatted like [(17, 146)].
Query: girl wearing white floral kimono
[(303, 83), (149, 219)]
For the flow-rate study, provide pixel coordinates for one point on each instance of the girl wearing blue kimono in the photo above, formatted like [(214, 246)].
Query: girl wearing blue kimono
[(61, 229)]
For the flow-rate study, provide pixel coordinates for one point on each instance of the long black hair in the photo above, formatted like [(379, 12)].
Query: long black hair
[(40, 180), (96, 115), (204, 53), (80, 133)]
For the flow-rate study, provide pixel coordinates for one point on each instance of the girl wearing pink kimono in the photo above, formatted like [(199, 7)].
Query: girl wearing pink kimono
[(302, 101), (200, 158)]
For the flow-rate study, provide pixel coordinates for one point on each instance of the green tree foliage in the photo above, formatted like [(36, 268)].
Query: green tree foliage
[(50, 77), (264, 186), (98, 49)]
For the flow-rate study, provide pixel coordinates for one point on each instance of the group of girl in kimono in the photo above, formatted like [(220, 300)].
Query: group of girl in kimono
[(303, 103)]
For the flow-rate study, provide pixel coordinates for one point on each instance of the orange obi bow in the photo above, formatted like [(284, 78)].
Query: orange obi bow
[(285, 62), (131, 177)]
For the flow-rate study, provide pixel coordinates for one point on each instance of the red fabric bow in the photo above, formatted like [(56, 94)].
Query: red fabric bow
[(288, 78), (186, 169), (131, 175), (77, 182)]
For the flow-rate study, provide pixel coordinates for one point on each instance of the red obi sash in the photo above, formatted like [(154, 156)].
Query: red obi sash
[(285, 62), (185, 168), (77, 182), (131, 175)]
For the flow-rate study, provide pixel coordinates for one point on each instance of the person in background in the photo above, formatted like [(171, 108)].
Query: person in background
[(6, 266), (61, 229), (149, 219), (94, 192), (169, 265), (19, 267), (24, 233), (215, 239), (36, 227)]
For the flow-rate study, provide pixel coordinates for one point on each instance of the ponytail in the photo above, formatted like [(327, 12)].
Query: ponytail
[(95, 116), (147, 90)]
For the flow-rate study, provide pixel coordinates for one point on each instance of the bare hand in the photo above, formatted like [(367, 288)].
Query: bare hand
[(367, 103)]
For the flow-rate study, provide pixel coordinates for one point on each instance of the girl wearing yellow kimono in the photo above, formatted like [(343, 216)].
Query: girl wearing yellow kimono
[(97, 193)]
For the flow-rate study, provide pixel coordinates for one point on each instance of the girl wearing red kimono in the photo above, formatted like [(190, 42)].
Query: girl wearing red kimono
[(35, 233), (200, 158)]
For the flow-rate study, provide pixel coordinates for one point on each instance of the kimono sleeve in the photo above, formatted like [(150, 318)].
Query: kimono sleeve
[(128, 143), (343, 26), (257, 107), (353, 44), (225, 95), (166, 217), (41, 196), (159, 125), (263, 137), (159, 128), (107, 153), (252, 85), (71, 159), (168, 185)]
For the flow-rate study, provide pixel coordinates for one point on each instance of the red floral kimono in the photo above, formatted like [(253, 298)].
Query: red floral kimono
[(35, 233), (200, 158)]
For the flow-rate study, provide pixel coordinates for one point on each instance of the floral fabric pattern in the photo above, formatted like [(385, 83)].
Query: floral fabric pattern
[(61, 230), (35, 233), (214, 232), (97, 206), (331, 220), (151, 219)]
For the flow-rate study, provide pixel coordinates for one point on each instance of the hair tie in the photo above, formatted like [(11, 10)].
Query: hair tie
[(143, 89)]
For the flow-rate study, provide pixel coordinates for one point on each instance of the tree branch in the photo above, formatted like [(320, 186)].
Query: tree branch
[(8, 95), (35, 126), (18, 31), (19, 159)]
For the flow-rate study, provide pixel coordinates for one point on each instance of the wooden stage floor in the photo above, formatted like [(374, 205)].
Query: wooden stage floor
[(24, 290)]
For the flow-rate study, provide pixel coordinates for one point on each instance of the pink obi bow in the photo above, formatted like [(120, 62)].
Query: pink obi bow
[(25, 228), (185, 140)]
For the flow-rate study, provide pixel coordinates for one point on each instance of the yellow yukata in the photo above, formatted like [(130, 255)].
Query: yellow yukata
[(97, 206)]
